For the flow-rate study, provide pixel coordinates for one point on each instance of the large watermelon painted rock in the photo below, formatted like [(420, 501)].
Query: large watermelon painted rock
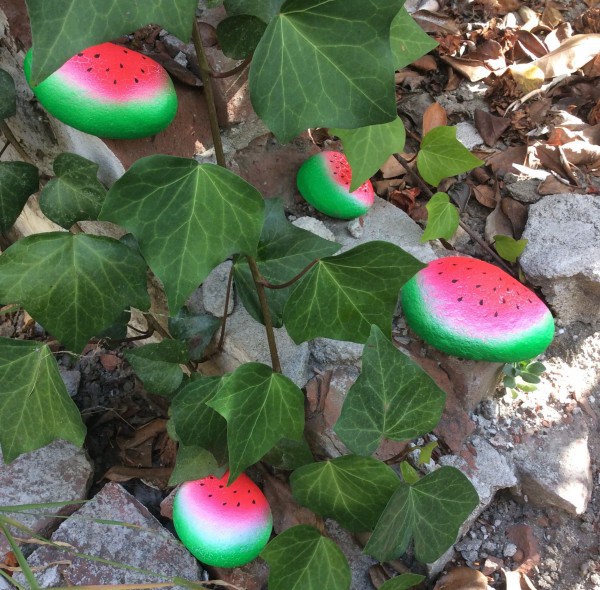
[(472, 309), (221, 525), (109, 91), (324, 181)]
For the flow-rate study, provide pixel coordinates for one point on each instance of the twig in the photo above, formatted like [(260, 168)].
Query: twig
[(233, 71), (227, 297), (13, 141), (4, 148), (268, 285)]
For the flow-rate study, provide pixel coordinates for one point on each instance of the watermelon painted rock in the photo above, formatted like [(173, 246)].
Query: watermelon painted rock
[(221, 525), (472, 309), (324, 181), (109, 91)]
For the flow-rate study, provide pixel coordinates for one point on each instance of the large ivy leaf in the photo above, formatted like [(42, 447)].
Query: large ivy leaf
[(196, 330), (342, 296), (194, 422), (325, 64), (187, 218), (261, 407), (392, 398), (76, 194), (194, 463), (429, 511), (18, 181), (367, 148), (289, 454), (158, 365), (265, 10), (284, 251), (442, 218), (409, 41), (353, 490), (402, 582), (61, 28), (442, 155), (240, 34), (302, 559), (8, 95), (74, 285), (35, 408)]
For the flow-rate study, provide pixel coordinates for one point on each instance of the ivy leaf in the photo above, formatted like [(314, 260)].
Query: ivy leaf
[(353, 490), (239, 35), (430, 512), (301, 557), (194, 463), (76, 286), (62, 28), (342, 296), (442, 218), (18, 181), (264, 10), (260, 407), (402, 582), (367, 148), (157, 365), (195, 423), (8, 95), (284, 251), (509, 248), (196, 330), (35, 408), (313, 51), (76, 194), (289, 454), (392, 398), (206, 214), (408, 40), (442, 155)]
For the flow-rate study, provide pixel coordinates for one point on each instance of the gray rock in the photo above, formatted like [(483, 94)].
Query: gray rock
[(58, 472), (468, 135), (314, 226), (71, 380), (147, 546), (522, 189), (563, 255), (556, 469), (214, 289), (327, 352)]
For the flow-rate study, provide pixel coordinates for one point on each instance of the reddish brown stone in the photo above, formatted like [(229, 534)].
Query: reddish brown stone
[(252, 576), (110, 361), (491, 565), (522, 536)]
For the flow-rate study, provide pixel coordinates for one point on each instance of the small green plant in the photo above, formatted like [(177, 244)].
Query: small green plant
[(327, 64), (523, 376)]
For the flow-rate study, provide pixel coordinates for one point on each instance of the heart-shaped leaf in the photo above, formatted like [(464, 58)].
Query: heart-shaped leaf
[(313, 51), (429, 511), (509, 248), (284, 251), (8, 95), (342, 296), (442, 155), (289, 454), (442, 218), (408, 40), (353, 490), (76, 286), (197, 424), (18, 181), (261, 407), (196, 330), (61, 29), (239, 35), (392, 398), (264, 10), (35, 408), (76, 194), (302, 558), (206, 214), (367, 148), (194, 463), (402, 582)]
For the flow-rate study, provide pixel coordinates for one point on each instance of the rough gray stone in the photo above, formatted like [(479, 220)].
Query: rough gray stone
[(71, 380), (246, 341), (522, 189), (314, 226), (468, 135), (214, 289), (556, 469), (329, 352), (563, 255), (148, 546), (58, 472)]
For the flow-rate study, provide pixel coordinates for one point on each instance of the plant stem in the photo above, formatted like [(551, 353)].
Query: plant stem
[(13, 141), (416, 178), (268, 285), (233, 71), (4, 148), (210, 95), (224, 322), (264, 306)]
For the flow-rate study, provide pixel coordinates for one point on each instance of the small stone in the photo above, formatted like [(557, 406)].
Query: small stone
[(468, 135), (71, 380), (491, 565), (509, 550), (314, 226), (356, 228), (214, 290), (110, 361)]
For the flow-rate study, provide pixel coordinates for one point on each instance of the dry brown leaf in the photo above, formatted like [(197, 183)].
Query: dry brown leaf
[(391, 168), (581, 153), (551, 16), (589, 21), (528, 46), (462, 578), (481, 62), (426, 63), (409, 79), (553, 186), (594, 116), (384, 187), (434, 22), (516, 213), (502, 162), (434, 116), (554, 39), (485, 195), (573, 54), (490, 127), (405, 198), (499, 7), (497, 223), (592, 68), (121, 474), (453, 80), (528, 76), (517, 581)]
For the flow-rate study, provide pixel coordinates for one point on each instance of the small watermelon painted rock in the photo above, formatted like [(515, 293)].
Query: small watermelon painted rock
[(472, 309), (324, 181), (109, 91), (221, 525)]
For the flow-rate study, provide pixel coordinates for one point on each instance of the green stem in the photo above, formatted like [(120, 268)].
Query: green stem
[(224, 322), (205, 72), (264, 306), (233, 71), (13, 141), (268, 285)]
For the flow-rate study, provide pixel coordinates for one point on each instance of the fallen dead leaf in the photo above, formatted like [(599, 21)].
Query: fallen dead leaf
[(551, 16), (434, 116), (121, 474), (485, 195), (516, 213), (502, 162), (426, 63), (528, 76), (405, 198), (573, 54), (408, 78), (462, 578), (589, 21), (553, 186), (517, 581), (384, 187), (391, 168), (555, 38), (490, 127), (497, 223), (434, 22), (498, 7), (479, 64), (528, 46)]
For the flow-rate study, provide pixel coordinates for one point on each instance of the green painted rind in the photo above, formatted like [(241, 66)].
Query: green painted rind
[(316, 186), (123, 120), (435, 331)]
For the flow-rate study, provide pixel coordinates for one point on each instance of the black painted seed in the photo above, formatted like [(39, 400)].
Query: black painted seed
[(114, 81), (107, 70), (529, 300), (121, 66), (143, 70), (496, 314), (440, 273), (518, 307), (89, 69), (210, 495), (97, 55), (80, 54), (238, 504), (253, 501), (481, 302), (136, 81), (125, 51), (459, 299), (477, 286), (221, 486), (455, 280), (224, 503)]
